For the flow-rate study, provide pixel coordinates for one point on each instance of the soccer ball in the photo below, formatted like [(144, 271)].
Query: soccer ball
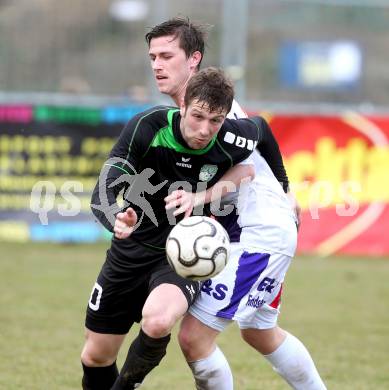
[(197, 248)]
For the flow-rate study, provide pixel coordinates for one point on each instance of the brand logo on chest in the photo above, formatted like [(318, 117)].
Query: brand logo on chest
[(184, 163)]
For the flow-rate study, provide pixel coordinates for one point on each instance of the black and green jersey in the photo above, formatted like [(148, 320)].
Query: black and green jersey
[(151, 159)]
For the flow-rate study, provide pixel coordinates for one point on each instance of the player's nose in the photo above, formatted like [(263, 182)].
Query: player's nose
[(157, 64), (205, 131)]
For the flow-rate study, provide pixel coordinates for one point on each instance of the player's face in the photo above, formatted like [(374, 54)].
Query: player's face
[(172, 69), (198, 125)]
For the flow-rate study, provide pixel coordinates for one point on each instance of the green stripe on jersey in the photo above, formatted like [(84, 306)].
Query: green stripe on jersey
[(120, 168), (165, 139)]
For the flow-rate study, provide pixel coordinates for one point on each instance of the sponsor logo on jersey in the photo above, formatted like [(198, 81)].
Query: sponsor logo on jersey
[(255, 301), (266, 285), (239, 141), (184, 163), (207, 172)]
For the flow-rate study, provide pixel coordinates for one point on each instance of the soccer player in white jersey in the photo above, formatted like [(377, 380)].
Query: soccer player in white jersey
[(249, 289)]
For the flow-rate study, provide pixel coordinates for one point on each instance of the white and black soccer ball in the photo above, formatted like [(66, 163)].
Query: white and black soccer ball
[(197, 248)]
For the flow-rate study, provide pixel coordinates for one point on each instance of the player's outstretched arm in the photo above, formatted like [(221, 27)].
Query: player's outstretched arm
[(120, 170), (184, 201), (230, 182), (104, 197)]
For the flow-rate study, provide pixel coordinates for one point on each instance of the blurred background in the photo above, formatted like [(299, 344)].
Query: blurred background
[(286, 51), (72, 73)]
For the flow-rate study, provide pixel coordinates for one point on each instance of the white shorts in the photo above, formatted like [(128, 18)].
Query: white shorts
[(247, 291)]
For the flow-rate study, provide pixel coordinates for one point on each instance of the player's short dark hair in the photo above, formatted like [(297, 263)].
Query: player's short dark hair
[(191, 36), (211, 86)]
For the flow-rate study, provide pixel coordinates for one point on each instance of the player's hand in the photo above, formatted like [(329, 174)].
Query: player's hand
[(183, 201), (124, 223)]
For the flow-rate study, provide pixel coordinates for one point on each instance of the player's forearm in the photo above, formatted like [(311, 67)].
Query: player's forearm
[(230, 182), (104, 207), (104, 199)]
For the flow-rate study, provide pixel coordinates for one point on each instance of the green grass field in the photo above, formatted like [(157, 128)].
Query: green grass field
[(339, 307)]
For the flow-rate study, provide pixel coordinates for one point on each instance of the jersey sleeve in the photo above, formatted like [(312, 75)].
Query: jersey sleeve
[(248, 161), (132, 142), (268, 147), (240, 138), (270, 151), (119, 170)]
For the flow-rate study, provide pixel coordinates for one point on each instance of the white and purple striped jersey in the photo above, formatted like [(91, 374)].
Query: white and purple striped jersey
[(265, 218), (263, 233)]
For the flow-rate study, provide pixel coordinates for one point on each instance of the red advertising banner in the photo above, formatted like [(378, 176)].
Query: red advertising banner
[(339, 170)]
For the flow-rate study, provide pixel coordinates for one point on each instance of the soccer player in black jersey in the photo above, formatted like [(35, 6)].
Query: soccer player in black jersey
[(158, 151), (176, 48)]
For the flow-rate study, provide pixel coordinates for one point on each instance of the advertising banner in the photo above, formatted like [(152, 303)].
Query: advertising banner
[(339, 170), (51, 156)]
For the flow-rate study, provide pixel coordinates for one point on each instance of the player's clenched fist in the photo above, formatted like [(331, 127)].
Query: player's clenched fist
[(124, 223)]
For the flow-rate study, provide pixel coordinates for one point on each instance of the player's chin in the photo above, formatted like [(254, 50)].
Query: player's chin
[(197, 144), (165, 91), (163, 88)]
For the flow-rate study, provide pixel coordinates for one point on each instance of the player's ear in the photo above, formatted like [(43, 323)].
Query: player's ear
[(195, 59), (182, 107)]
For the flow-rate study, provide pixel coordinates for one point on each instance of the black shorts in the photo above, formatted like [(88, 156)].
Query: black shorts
[(116, 303)]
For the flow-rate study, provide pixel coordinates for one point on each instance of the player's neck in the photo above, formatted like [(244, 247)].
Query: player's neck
[(178, 98)]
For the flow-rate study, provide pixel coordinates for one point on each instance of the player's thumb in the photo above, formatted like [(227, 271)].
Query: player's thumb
[(131, 217)]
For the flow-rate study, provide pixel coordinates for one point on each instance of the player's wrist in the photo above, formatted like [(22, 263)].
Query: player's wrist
[(202, 197)]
